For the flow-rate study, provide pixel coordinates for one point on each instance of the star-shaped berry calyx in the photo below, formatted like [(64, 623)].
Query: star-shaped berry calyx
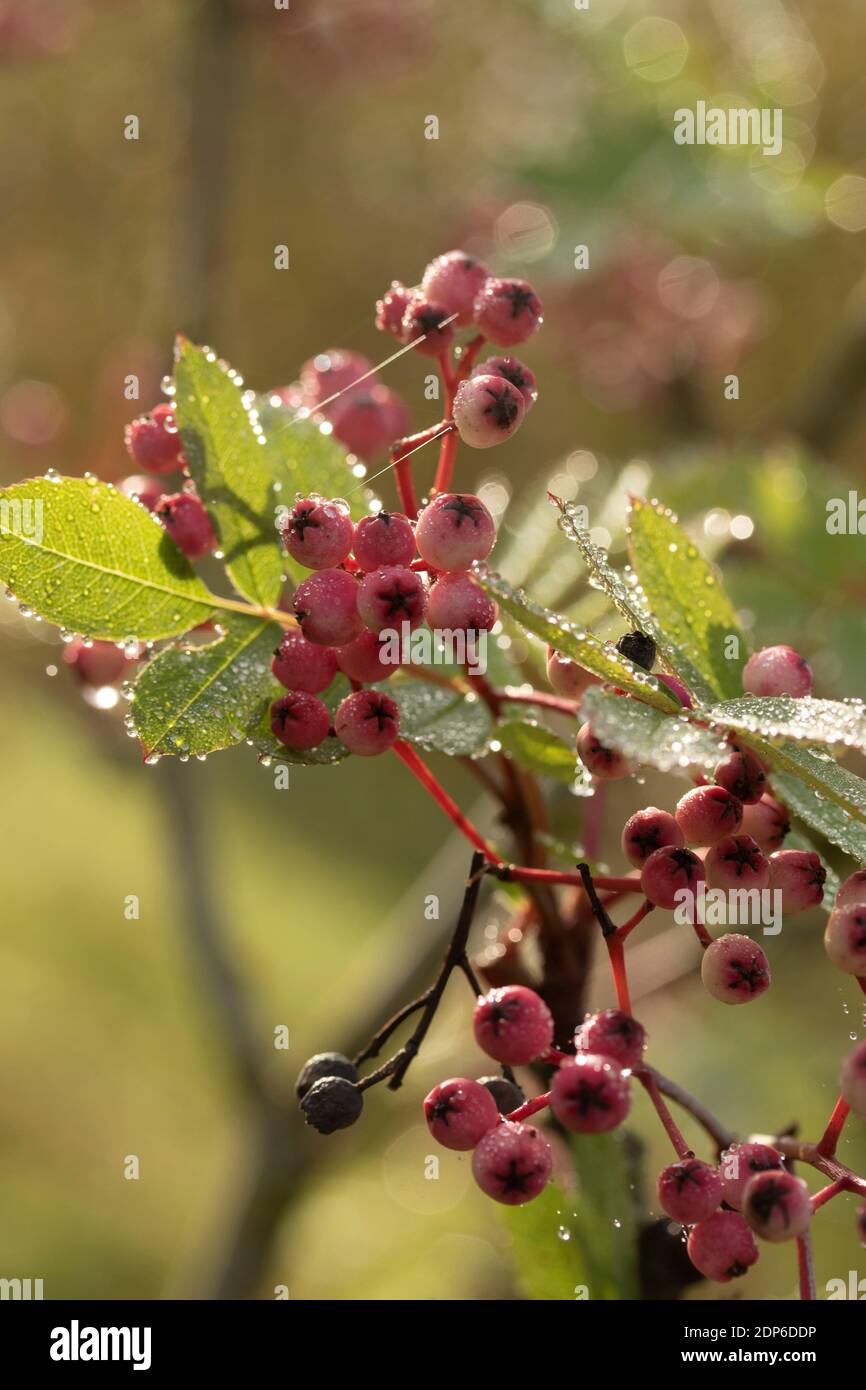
[(463, 509)]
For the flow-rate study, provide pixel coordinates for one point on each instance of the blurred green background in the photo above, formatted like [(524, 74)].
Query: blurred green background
[(306, 127)]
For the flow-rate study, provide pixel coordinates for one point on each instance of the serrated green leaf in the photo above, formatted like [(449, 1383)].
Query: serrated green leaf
[(668, 742), (801, 721), (538, 750), (228, 465), (686, 595), (192, 700), (440, 720), (601, 658), (328, 753), (88, 558), (836, 807)]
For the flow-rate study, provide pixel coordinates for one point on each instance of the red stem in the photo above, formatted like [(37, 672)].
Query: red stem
[(616, 952), (531, 1107), (701, 932), (401, 456), (627, 927), (514, 695), (806, 1267), (520, 873), (406, 753), (830, 1138), (445, 467), (468, 357), (671, 1129), (831, 1190)]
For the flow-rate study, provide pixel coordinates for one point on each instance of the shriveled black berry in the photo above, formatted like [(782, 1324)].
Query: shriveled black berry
[(507, 1094), (324, 1064), (332, 1103), (638, 648)]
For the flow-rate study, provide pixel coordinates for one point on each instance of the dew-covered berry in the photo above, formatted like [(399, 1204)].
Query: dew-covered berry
[(852, 889), (154, 441), (734, 969), (458, 1112), (845, 938), (852, 1079), (590, 1094), (367, 723), (603, 762), (513, 370), (100, 663), (777, 671), (454, 280), (142, 489), (512, 1163), (668, 872), (318, 534), (362, 659), (426, 321), (689, 1191), (454, 530), (777, 1206), (367, 419), (648, 830), (384, 539), (334, 372), (743, 776), (767, 823), (324, 1064), (566, 677), (390, 596), (739, 1164), (507, 1094), (513, 1025), (184, 517), (457, 604), (722, 1247), (326, 606), (612, 1033), (507, 311), (391, 308), (301, 665), (799, 876), (708, 814), (331, 1104), (299, 720), (487, 411), (736, 862), (637, 648)]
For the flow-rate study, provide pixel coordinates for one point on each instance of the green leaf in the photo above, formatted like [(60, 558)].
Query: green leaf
[(231, 473), (840, 820), (92, 560), (440, 720), (686, 596), (601, 658), (538, 750), (802, 721), (193, 700), (646, 736), (304, 458), (564, 1245)]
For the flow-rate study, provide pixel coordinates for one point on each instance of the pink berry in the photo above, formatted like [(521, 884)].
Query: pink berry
[(566, 677), (739, 1164), (734, 969), (391, 308), (736, 862), (361, 660), (318, 534), (427, 321), (102, 663), (614, 1034), (722, 1247), (676, 687), (368, 419), (512, 1163), (367, 723), (777, 1206), (453, 280), (301, 665), (767, 823), (154, 442), (777, 671), (186, 521), (487, 411), (668, 872), (390, 596), (852, 1079), (299, 720), (708, 814), (799, 875), (507, 311), (513, 1025), (334, 372), (649, 830), (514, 371), (457, 604), (601, 761), (689, 1191), (454, 530), (384, 539), (845, 938), (326, 606), (743, 776), (590, 1094), (852, 890), (459, 1112), (142, 489)]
